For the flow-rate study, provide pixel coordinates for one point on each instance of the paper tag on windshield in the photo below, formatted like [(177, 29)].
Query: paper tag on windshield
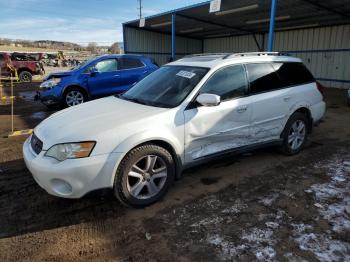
[(186, 74)]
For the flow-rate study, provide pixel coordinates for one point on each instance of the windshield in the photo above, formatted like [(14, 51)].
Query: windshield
[(86, 62), (166, 87)]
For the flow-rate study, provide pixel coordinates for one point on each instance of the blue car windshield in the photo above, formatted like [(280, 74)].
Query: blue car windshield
[(167, 87), (82, 64)]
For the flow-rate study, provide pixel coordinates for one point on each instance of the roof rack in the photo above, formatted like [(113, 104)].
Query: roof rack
[(257, 54), (207, 54)]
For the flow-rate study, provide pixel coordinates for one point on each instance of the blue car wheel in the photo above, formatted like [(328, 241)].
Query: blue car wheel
[(74, 97)]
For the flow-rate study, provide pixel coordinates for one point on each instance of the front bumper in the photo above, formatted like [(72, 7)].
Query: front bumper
[(49, 96), (72, 178), (48, 100)]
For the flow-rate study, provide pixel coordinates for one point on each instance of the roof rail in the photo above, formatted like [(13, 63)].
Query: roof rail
[(207, 54), (257, 54)]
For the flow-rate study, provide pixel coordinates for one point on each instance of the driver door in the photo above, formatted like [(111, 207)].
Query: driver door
[(104, 78), (212, 130)]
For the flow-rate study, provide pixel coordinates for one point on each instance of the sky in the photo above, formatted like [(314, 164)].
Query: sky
[(78, 21)]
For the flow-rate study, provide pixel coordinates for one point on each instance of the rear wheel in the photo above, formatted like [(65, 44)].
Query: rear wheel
[(295, 134), (144, 176), (73, 97), (25, 76)]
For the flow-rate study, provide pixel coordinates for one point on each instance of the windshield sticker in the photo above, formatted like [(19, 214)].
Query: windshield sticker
[(186, 74)]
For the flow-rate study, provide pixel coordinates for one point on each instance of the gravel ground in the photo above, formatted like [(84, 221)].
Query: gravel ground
[(256, 206)]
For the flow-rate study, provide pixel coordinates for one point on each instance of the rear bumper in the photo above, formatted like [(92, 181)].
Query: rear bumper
[(317, 112)]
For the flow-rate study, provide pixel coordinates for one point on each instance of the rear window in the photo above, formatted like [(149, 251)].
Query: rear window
[(129, 63), (262, 78), (293, 74)]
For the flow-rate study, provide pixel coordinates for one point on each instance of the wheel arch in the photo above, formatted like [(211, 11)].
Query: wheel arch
[(306, 111), (167, 146), (129, 145), (71, 86), (22, 69)]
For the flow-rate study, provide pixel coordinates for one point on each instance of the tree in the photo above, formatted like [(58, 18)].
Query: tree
[(92, 47), (114, 49)]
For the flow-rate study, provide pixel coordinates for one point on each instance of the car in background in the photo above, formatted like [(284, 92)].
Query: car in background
[(185, 113), (97, 77), (26, 64)]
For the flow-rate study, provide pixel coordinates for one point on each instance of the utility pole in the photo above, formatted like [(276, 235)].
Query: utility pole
[(140, 8)]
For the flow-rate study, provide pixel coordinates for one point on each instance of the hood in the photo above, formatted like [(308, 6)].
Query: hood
[(59, 74), (92, 120)]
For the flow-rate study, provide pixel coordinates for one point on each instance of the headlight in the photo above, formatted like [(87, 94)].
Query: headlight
[(48, 84), (62, 152)]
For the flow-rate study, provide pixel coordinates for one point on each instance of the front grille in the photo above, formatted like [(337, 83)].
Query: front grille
[(36, 143)]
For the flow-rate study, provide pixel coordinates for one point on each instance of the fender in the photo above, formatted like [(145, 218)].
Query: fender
[(297, 106), (143, 137), (77, 85), (146, 136)]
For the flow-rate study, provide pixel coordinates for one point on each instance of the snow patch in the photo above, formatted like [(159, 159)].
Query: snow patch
[(334, 197), (237, 207), (325, 248), (268, 200)]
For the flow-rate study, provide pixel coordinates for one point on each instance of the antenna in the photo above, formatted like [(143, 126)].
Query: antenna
[(140, 8)]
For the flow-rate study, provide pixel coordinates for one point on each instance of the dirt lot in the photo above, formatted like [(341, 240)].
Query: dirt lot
[(256, 206)]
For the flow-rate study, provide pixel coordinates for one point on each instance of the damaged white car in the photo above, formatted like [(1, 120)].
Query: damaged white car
[(190, 110)]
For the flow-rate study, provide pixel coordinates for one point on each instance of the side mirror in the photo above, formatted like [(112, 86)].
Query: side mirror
[(94, 72), (208, 99)]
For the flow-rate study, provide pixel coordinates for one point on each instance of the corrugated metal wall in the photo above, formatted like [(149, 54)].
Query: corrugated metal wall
[(232, 44), (158, 45), (325, 50)]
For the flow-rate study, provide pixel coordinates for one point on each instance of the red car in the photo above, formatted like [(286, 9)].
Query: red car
[(26, 65)]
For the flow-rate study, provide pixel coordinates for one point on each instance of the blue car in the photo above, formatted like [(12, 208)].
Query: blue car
[(98, 77)]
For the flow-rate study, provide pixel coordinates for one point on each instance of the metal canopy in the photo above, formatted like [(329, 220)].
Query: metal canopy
[(243, 17)]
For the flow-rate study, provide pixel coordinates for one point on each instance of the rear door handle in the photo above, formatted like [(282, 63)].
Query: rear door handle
[(287, 98), (242, 109), (116, 75)]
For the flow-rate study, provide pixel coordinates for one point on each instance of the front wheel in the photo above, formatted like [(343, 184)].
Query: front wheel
[(295, 134), (144, 176), (73, 97)]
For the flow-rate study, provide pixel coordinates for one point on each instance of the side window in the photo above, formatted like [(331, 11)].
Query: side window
[(229, 82), (262, 78), (293, 73), (129, 63), (1, 57), (108, 65)]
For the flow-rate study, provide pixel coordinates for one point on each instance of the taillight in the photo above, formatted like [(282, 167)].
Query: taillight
[(320, 88)]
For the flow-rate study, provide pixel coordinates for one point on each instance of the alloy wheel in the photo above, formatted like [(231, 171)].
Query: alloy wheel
[(297, 134), (74, 98), (147, 177)]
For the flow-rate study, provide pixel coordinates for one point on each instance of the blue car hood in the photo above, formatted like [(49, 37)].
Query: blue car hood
[(60, 74)]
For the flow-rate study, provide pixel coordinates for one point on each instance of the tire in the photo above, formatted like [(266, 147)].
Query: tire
[(295, 134), (74, 96), (25, 77), (134, 181)]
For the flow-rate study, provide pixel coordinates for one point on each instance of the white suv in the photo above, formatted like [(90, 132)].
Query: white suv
[(196, 108)]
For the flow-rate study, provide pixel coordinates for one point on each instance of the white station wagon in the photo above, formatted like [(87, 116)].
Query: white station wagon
[(188, 111)]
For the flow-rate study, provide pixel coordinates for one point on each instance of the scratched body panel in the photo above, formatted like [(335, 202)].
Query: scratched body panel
[(209, 130)]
